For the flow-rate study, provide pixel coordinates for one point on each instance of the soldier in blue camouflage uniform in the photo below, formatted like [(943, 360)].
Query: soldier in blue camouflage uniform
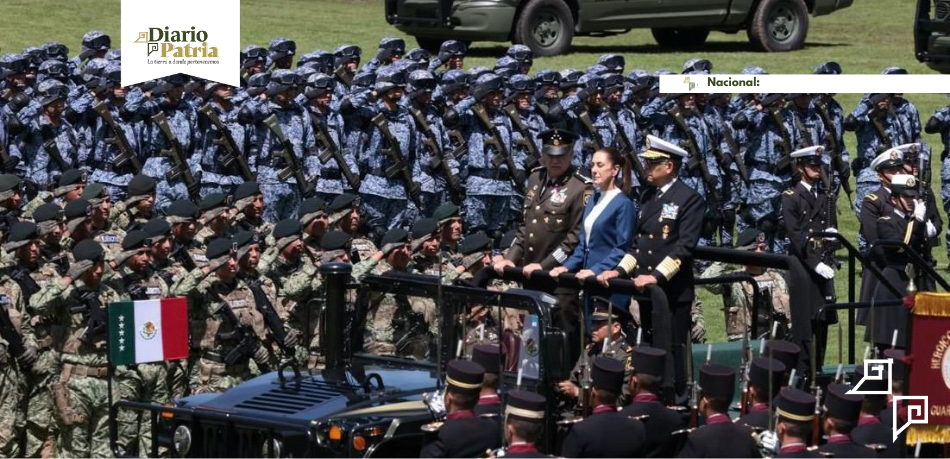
[(281, 197), (49, 136), (623, 120), (488, 186), (451, 56), (320, 60), (52, 69), (390, 50), (763, 155), (939, 123), (346, 61), (523, 55), (95, 44), (591, 122), (715, 108), (385, 200), (877, 129), (506, 67), (207, 160), (520, 105), (327, 175), (281, 53), (183, 121), (253, 60), (124, 107), (430, 146), (547, 98)]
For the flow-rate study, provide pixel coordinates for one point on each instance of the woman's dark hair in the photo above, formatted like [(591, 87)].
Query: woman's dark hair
[(624, 162)]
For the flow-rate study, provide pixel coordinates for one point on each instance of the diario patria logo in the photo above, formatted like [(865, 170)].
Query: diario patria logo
[(690, 85), (177, 43), (203, 43)]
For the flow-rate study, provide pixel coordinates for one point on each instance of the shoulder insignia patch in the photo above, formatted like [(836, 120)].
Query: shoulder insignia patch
[(789, 192), (587, 195), (871, 197)]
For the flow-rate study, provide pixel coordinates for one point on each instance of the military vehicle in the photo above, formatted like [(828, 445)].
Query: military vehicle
[(548, 26), (932, 34)]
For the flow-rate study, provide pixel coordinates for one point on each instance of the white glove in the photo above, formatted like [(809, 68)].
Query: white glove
[(825, 271), (768, 443), (931, 229), (831, 229), (920, 211)]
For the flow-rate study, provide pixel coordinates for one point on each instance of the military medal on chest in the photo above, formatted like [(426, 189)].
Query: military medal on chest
[(666, 231), (670, 211), (559, 196)]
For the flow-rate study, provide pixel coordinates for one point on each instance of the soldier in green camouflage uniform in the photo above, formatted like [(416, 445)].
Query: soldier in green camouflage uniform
[(183, 216), (132, 213), (210, 290), (380, 334), (450, 222), (249, 211), (215, 212), (480, 323), (30, 274), (616, 346), (104, 232), (78, 215), (160, 233), (69, 188), (248, 247), (149, 381), (345, 216), (52, 227), (314, 221), (737, 296), (15, 378), (80, 396)]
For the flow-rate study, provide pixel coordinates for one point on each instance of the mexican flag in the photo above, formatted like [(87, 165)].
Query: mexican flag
[(148, 331)]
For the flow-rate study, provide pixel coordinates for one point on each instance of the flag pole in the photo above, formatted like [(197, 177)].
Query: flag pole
[(110, 373)]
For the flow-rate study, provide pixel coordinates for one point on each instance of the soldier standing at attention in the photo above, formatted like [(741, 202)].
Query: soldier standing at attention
[(554, 203), (841, 416), (463, 434), (668, 228), (491, 358), (720, 437), (605, 433), (760, 394), (796, 412), (648, 368), (524, 424)]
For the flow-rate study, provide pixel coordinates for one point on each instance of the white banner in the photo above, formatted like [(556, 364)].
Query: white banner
[(200, 38), (811, 84)]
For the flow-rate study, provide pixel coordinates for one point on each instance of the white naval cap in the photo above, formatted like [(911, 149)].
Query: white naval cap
[(658, 148), (806, 152), (893, 157)]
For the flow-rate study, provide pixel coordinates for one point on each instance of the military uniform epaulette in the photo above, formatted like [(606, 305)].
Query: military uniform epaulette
[(583, 178), (790, 192), (886, 217), (871, 197), (537, 169)]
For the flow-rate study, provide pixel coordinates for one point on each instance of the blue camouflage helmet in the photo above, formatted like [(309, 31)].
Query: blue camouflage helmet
[(253, 53), (613, 82), (282, 80), (389, 78), (477, 71), (56, 50), (114, 55), (394, 44), (318, 84), (50, 91), (455, 80), (320, 60), (639, 79), (420, 82), (614, 62), (113, 73), (364, 79), (257, 83), (53, 69), (408, 66), (828, 68), (753, 70), (591, 82), (346, 53), (696, 64), (168, 83), (305, 72), (894, 71), (505, 67), (520, 84), (569, 78), (450, 49), (282, 47), (419, 55), (547, 77), (521, 53), (659, 72), (96, 40), (598, 69), (487, 84), (34, 55), (93, 69), (14, 64)]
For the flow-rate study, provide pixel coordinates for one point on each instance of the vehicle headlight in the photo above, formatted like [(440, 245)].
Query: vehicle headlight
[(363, 438), (182, 440), (274, 448)]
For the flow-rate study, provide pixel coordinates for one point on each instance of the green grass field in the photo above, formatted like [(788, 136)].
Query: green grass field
[(865, 38)]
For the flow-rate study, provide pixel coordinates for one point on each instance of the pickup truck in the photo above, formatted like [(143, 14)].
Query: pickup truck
[(932, 34), (548, 26)]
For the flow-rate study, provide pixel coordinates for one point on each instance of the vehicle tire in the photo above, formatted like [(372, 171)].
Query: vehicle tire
[(431, 45), (681, 38), (779, 25), (545, 26)]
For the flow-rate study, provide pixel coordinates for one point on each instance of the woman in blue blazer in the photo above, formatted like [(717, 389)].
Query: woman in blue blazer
[(607, 227)]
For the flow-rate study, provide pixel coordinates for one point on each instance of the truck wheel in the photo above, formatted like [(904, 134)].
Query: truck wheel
[(545, 26), (779, 25), (683, 38), (431, 45)]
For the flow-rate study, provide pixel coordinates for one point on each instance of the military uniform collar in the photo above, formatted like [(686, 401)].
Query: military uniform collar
[(839, 438), (717, 418), (461, 414), (667, 187)]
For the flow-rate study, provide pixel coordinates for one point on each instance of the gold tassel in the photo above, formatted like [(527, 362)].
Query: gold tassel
[(927, 433), (932, 304)]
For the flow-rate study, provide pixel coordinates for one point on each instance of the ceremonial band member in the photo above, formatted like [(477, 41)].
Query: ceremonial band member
[(463, 434), (668, 228)]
